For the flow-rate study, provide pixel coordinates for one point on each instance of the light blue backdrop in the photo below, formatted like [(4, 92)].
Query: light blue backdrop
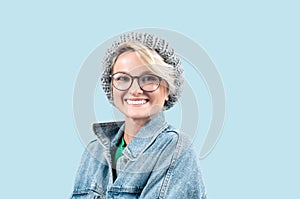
[(254, 44)]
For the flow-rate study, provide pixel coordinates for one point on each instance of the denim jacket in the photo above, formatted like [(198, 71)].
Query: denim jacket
[(159, 162)]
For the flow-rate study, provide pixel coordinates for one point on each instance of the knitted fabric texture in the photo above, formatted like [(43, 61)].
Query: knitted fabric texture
[(155, 43)]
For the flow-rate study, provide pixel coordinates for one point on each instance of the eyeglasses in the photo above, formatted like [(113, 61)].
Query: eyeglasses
[(123, 81)]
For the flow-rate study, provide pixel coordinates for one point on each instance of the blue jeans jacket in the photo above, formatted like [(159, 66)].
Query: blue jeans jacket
[(159, 162)]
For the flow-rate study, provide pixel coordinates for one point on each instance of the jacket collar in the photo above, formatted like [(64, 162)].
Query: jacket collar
[(110, 133)]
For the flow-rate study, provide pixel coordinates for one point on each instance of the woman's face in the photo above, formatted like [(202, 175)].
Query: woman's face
[(135, 103)]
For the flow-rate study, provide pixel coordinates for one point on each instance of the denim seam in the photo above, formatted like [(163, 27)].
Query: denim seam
[(166, 180)]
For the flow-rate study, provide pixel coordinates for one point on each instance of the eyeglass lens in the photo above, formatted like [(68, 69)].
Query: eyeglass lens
[(123, 81)]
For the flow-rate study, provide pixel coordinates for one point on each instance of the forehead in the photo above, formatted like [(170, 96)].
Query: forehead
[(130, 63)]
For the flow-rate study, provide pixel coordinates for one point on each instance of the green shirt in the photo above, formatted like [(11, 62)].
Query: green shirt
[(121, 147)]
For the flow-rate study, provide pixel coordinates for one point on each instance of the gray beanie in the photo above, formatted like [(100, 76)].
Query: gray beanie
[(153, 42)]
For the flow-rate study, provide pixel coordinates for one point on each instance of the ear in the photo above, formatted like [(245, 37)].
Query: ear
[(167, 98)]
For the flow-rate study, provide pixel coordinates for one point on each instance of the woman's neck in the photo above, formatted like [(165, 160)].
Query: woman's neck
[(132, 127)]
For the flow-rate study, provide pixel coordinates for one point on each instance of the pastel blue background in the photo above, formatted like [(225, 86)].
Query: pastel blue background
[(254, 44)]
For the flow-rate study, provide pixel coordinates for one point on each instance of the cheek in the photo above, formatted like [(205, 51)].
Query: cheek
[(117, 96)]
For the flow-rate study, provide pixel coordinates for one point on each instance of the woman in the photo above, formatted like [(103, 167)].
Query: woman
[(142, 157)]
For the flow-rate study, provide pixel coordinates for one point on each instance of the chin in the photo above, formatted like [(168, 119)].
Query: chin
[(139, 116), (140, 113)]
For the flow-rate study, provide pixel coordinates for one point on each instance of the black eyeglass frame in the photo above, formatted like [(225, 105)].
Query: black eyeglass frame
[(138, 81)]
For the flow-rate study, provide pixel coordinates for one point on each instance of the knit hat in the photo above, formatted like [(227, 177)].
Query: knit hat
[(153, 42)]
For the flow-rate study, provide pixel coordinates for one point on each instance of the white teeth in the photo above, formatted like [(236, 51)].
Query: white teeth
[(136, 101)]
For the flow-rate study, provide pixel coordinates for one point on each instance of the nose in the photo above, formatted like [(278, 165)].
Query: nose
[(135, 88)]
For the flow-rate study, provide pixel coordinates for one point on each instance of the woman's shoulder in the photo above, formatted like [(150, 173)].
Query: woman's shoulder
[(182, 142), (176, 134), (174, 138), (93, 149)]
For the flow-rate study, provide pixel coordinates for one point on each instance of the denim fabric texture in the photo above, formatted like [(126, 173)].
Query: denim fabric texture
[(159, 162)]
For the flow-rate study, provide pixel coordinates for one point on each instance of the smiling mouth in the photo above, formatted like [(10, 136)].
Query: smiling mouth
[(136, 102)]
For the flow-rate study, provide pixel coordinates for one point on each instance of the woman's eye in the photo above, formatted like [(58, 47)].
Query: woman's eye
[(149, 78), (123, 78)]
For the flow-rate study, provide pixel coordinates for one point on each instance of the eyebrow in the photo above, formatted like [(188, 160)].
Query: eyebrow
[(143, 73)]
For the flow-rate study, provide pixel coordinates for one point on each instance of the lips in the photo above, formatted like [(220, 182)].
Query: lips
[(136, 101)]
